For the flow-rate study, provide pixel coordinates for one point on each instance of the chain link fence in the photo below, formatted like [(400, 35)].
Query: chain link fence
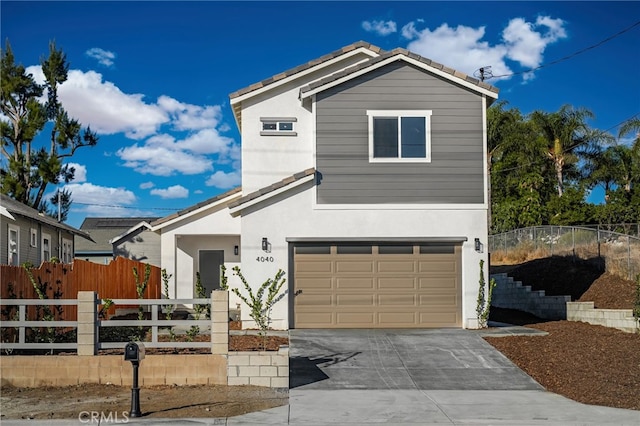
[(617, 253)]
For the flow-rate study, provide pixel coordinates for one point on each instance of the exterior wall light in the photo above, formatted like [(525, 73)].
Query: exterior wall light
[(478, 245), (265, 244), (235, 250)]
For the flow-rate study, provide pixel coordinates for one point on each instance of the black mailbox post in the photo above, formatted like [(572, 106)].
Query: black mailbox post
[(134, 352)]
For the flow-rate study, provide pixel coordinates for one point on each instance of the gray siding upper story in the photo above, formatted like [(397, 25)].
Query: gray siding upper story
[(142, 245), (455, 173)]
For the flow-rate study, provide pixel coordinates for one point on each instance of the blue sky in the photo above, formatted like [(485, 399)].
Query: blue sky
[(153, 78)]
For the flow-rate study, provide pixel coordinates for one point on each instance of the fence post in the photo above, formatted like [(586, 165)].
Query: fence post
[(87, 327), (219, 322)]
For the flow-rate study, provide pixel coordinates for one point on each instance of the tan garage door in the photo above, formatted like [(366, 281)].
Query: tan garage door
[(377, 286)]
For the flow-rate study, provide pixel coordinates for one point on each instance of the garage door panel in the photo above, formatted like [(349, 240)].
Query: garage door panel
[(355, 300), (437, 282), (398, 318), (315, 300), (354, 266), (355, 319), (314, 319), (439, 319), (314, 266), (354, 283), (398, 283), (396, 266), (435, 300), (437, 266), (315, 283), (406, 289), (397, 299)]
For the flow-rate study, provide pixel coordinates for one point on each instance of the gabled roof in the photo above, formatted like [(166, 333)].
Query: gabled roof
[(134, 228), (16, 208), (224, 197), (399, 54), (103, 229), (352, 49), (377, 56), (271, 190)]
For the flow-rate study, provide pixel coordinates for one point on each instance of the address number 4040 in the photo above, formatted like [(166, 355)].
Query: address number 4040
[(264, 259)]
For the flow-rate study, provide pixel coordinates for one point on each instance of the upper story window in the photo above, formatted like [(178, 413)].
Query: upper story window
[(399, 136), (278, 126)]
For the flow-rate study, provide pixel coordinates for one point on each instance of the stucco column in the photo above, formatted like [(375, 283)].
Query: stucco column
[(87, 327)]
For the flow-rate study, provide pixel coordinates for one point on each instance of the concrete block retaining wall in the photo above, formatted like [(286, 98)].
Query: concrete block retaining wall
[(221, 366), (622, 319), (512, 294)]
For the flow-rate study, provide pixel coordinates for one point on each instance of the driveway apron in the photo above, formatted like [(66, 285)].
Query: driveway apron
[(442, 359)]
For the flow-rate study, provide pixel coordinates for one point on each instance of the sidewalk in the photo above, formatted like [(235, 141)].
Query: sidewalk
[(406, 407)]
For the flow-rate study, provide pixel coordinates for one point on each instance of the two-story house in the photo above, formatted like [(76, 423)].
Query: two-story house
[(364, 179)]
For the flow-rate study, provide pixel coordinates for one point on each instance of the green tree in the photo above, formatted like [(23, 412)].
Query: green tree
[(563, 133), (29, 168)]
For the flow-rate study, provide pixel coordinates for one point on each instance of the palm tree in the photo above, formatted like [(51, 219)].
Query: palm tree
[(563, 132)]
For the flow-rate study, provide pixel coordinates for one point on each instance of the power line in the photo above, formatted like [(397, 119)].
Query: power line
[(128, 207), (600, 43)]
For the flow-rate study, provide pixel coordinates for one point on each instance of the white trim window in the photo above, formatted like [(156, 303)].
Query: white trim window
[(34, 237), (67, 251), (278, 126), (46, 247), (399, 136), (13, 246)]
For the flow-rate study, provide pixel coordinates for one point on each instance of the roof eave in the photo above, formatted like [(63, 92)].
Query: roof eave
[(452, 77)]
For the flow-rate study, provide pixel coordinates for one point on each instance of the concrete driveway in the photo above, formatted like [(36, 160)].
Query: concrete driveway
[(443, 359)]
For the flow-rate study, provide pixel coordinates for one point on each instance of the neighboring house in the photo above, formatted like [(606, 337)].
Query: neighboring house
[(364, 179), (31, 236), (128, 237)]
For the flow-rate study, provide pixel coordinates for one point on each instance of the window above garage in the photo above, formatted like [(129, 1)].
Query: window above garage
[(399, 136)]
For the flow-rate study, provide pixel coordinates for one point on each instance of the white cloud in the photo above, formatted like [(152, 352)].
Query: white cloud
[(163, 161), (175, 191), (100, 200), (104, 107), (463, 47), (525, 44), (224, 180), (107, 110), (146, 185), (104, 57), (382, 28), (80, 174)]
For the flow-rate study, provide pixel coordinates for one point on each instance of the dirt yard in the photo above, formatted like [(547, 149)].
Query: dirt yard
[(587, 363), (590, 364)]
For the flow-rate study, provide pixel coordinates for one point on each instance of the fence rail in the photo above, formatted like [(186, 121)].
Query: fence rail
[(620, 253), (16, 318)]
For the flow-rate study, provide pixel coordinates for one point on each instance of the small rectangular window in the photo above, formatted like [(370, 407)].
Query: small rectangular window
[(354, 249), (313, 250), (437, 249), (34, 237), (278, 126), (285, 126), (395, 249)]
